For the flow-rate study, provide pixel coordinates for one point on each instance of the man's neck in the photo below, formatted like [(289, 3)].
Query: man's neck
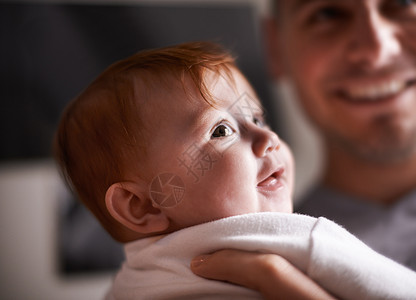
[(382, 183)]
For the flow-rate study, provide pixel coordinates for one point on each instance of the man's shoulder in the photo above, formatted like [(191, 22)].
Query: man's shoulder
[(333, 204), (322, 200), (317, 200)]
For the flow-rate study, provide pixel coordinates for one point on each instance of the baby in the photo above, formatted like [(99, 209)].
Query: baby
[(169, 150)]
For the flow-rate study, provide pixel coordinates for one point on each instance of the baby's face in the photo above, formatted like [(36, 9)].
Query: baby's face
[(208, 163)]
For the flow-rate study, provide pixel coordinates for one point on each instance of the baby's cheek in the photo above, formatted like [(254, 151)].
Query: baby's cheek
[(289, 163)]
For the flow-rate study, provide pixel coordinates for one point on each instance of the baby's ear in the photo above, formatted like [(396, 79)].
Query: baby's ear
[(128, 203)]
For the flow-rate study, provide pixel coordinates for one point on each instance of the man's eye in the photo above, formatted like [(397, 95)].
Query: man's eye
[(399, 4), (222, 130), (400, 9), (406, 2), (327, 13)]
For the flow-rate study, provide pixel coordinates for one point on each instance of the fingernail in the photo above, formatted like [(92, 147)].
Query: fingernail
[(197, 261)]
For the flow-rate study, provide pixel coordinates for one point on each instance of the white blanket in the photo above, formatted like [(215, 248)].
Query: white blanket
[(158, 267)]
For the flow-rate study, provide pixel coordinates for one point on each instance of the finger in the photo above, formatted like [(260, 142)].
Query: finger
[(228, 265), (273, 276)]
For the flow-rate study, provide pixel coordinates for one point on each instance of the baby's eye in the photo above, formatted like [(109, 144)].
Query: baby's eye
[(258, 121), (222, 130)]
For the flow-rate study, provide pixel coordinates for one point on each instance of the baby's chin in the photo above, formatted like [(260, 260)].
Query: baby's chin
[(276, 202), (287, 210), (282, 207)]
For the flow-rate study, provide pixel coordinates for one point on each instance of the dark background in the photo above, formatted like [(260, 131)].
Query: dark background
[(50, 52)]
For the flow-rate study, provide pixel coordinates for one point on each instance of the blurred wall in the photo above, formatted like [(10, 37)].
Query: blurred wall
[(50, 52)]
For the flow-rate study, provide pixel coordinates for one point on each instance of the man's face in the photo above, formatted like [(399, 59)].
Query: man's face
[(213, 162), (353, 66)]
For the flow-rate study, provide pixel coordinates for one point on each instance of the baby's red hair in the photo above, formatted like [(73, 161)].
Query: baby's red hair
[(99, 139)]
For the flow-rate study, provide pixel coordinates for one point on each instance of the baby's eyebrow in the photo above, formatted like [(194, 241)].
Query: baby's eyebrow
[(202, 121)]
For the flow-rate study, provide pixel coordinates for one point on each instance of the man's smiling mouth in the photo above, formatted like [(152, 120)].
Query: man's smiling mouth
[(382, 90)]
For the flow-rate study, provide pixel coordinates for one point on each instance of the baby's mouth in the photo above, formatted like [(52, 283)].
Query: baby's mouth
[(272, 180)]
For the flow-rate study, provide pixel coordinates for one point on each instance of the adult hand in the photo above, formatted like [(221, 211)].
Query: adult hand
[(272, 275)]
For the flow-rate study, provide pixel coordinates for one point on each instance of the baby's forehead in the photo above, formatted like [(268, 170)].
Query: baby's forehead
[(232, 90), (217, 90)]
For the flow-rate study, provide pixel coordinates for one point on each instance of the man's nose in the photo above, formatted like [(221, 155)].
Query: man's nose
[(374, 40), (265, 141)]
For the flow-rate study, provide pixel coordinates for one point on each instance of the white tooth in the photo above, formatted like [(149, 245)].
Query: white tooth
[(374, 92)]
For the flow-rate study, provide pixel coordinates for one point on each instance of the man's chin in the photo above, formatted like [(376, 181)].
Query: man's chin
[(384, 153)]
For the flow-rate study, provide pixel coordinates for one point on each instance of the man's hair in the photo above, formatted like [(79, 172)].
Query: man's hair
[(100, 138)]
